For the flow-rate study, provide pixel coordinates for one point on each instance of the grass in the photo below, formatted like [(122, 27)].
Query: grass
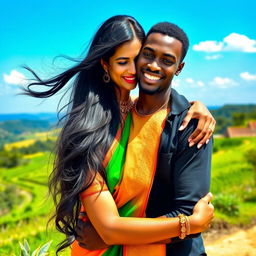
[(231, 176)]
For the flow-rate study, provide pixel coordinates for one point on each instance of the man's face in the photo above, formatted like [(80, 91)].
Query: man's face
[(158, 62)]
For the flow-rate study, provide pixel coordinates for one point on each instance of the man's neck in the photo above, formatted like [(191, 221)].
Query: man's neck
[(148, 104)]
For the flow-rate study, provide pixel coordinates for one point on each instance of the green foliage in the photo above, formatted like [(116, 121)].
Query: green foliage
[(233, 115), (227, 110), (250, 156), (249, 194), (9, 159), (9, 198), (238, 119), (14, 130), (38, 146), (221, 124), (31, 179), (40, 251), (226, 203), (226, 143), (20, 126), (231, 175)]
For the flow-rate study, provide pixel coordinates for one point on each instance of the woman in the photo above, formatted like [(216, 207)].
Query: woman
[(86, 142)]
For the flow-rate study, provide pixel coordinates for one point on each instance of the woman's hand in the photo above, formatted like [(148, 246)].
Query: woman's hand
[(202, 216), (205, 127)]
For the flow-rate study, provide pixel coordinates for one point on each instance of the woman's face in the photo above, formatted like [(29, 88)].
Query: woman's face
[(121, 66)]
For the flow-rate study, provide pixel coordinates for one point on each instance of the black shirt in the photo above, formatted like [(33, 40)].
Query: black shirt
[(182, 176)]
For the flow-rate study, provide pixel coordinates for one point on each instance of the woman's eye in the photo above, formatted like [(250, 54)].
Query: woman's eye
[(122, 62)]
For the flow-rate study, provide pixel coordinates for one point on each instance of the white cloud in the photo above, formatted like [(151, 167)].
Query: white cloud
[(190, 81), (176, 82), (213, 57), (200, 83), (232, 42), (223, 82), (241, 43), (247, 76), (15, 77), (208, 46)]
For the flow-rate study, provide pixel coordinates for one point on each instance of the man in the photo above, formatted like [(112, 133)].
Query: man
[(183, 172)]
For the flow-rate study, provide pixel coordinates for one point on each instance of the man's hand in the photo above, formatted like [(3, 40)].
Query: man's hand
[(88, 237), (203, 213)]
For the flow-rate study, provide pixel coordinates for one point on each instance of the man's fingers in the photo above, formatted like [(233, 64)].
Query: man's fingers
[(207, 198)]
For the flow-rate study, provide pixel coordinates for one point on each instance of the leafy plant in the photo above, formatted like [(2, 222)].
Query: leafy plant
[(40, 251), (227, 143), (227, 204), (250, 156), (9, 198)]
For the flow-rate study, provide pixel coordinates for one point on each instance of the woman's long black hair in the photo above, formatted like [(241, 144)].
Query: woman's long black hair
[(91, 122)]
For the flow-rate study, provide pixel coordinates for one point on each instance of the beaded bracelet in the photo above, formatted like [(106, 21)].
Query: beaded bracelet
[(184, 226), (183, 229)]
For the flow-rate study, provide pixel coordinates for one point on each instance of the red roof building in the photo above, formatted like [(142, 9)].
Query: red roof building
[(249, 131)]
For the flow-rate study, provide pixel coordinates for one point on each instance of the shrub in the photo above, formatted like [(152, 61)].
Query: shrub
[(28, 208), (227, 204), (9, 198), (250, 156), (38, 146), (226, 143), (9, 159)]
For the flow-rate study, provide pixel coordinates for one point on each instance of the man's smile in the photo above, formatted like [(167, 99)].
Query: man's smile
[(151, 76)]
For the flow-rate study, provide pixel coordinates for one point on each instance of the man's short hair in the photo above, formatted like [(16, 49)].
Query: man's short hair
[(172, 30)]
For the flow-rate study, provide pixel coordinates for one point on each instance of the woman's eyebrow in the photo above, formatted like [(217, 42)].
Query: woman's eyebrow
[(122, 58)]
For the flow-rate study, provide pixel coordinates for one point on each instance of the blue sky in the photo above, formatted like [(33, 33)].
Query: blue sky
[(220, 65)]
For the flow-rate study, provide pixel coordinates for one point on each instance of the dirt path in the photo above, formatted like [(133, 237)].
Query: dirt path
[(241, 242)]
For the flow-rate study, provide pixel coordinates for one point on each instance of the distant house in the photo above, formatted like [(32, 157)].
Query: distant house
[(249, 131)]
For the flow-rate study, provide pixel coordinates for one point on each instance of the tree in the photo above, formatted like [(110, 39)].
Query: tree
[(238, 119)]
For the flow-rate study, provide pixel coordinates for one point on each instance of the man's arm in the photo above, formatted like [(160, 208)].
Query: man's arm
[(190, 173)]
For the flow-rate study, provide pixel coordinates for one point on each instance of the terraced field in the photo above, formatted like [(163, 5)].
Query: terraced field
[(29, 219), (232, 179)]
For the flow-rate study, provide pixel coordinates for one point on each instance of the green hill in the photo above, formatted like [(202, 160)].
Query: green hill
[(233, 115), (232, 186), (14, 130)]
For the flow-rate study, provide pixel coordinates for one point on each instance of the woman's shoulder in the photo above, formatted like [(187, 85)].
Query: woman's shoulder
[(96, 186)]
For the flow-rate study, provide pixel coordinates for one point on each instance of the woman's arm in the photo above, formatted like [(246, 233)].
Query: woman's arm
[(113, 229), (205, 127)]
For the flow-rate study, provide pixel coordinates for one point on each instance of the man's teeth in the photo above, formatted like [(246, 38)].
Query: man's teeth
[(155, 78)]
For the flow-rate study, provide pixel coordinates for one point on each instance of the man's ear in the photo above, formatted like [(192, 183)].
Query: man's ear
[(179, 68), (104, 64)]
